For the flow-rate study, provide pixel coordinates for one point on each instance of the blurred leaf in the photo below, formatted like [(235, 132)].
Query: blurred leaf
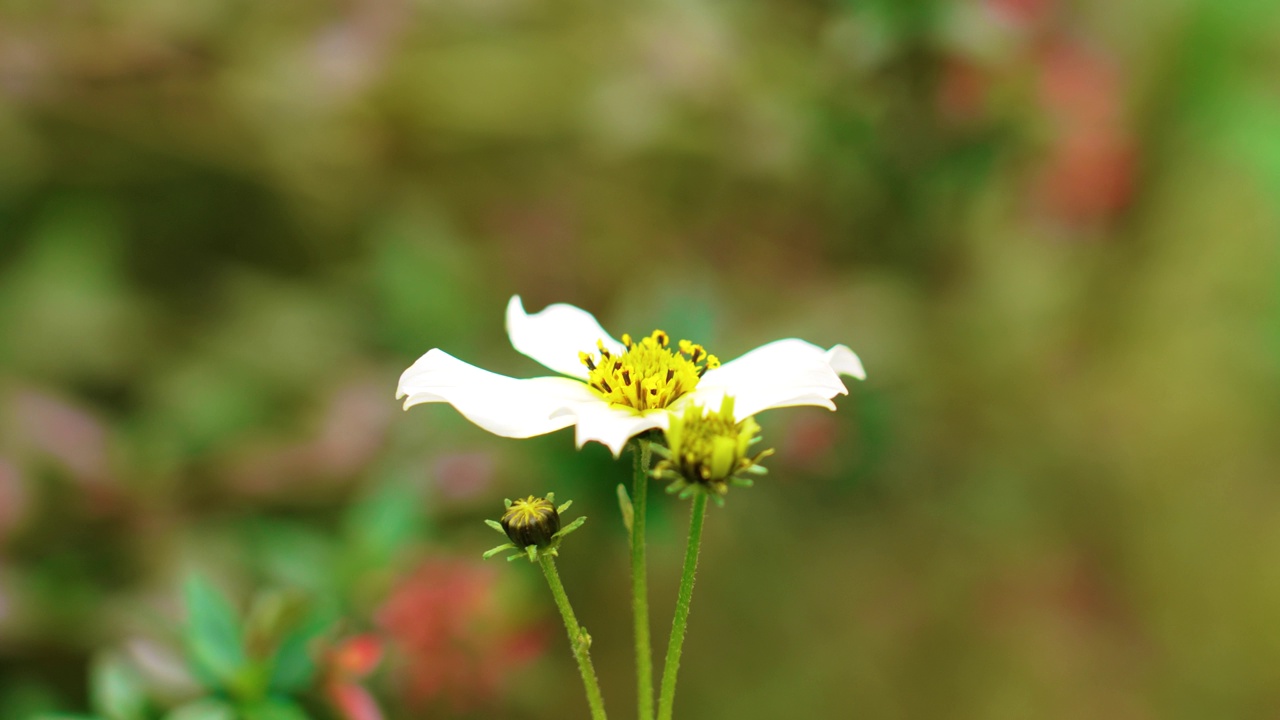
[(24, 696), (205, 404), (273, 614), (294, 665), (275, 710), (421, 268), (1251, 132), (116, 690), (66, 297), (203, 709), (296, 555), (213, 633), (383, 522)]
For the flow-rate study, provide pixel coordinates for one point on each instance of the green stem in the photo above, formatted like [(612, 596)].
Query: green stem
[(672, 666), (579, 640), (640, 584)]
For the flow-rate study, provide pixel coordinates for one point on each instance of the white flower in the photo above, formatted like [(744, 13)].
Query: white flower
[(616, 390)]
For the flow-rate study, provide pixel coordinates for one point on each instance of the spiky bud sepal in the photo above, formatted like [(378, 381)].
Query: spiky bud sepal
[(533, 527), (709, 451)]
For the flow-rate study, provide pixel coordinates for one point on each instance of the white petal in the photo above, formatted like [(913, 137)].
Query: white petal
[(555, 335), (845, 362), (610, 426), (780, 374), (503, 405)]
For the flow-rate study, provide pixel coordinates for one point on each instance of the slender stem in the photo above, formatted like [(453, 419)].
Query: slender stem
[(681, 619), (579, 640), (640, 584)]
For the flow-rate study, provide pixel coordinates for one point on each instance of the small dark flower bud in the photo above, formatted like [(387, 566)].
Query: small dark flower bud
[(532, 521)]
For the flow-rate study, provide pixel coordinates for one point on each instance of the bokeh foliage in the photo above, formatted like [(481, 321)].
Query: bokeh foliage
[(1049, 228)]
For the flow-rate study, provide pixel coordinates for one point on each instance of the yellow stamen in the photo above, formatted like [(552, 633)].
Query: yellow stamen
[(649, 375)]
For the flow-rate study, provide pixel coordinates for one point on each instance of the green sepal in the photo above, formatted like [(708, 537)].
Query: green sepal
[(624, 504), (501, 548), (570, 527), (495, 525)]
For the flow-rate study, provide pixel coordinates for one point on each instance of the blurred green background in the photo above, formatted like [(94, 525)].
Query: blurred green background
[(1048, 228)]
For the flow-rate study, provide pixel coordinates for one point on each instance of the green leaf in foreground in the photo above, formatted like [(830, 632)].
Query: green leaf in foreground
[(116, 690), (213, 634), (204, 709)]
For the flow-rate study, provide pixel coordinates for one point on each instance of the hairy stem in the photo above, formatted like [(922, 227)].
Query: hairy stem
[(579, 640), (681, 619), (640, 584)]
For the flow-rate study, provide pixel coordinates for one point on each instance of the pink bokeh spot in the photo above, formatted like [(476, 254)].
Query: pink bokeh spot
[(453, 643), (68, 434)]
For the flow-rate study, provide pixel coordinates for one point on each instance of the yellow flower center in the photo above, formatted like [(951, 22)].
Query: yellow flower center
[(709, 448), (708, 451), (649, 375)]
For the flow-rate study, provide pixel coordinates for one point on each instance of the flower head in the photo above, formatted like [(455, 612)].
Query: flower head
[(707, 451), (649, 375), (532, 521), (614, 389), (533, 527)]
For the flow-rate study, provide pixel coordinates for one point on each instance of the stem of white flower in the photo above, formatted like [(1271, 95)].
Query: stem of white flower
[(640, 583), (666, 704)]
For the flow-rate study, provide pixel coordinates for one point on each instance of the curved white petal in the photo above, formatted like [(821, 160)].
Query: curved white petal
[(556, 334), (780, 374), (503, 405), (610, 426), (845, 362)]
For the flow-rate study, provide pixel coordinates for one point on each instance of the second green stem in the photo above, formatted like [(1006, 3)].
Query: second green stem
[(640, 584), (681, 619)]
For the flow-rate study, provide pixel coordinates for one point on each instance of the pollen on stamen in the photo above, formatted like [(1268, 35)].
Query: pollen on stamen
[(649, 375)]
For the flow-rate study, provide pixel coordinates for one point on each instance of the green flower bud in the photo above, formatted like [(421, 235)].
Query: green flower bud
[(532, 521), (709, 451)]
